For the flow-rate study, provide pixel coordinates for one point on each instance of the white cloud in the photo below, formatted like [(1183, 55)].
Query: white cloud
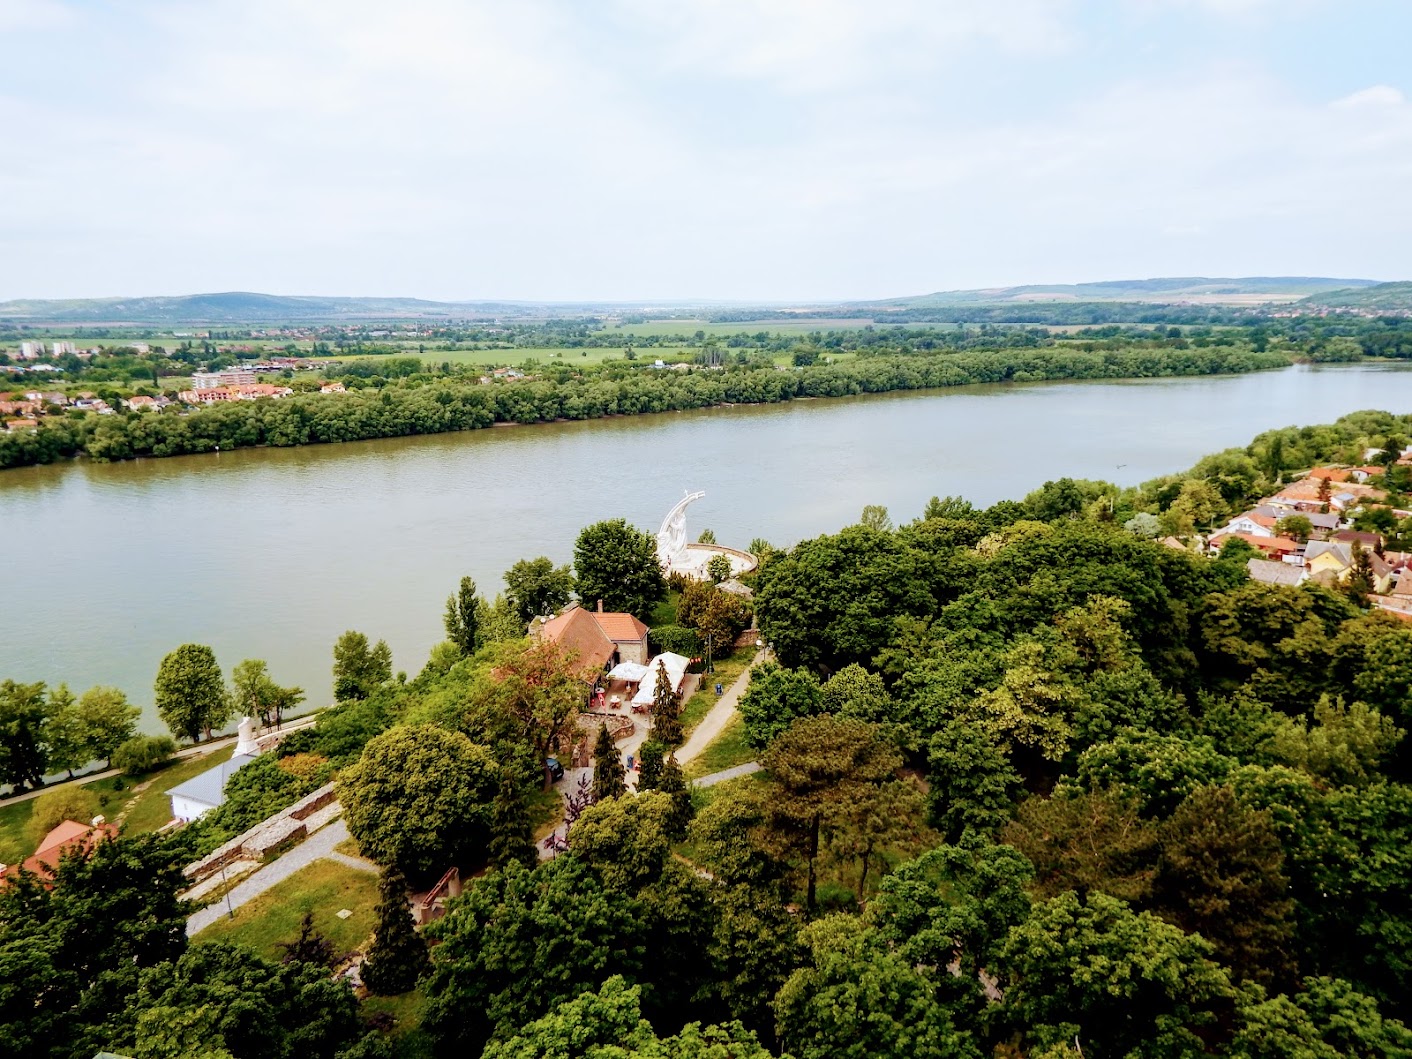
[(816, 45), (1376, 96), (732, 148), (33, 14)]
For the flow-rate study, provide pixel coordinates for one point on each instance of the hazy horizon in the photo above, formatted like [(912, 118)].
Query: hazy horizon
[(737, 151)]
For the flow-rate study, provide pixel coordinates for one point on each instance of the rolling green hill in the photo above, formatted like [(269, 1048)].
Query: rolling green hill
[(1246, 290), (1380, 296)]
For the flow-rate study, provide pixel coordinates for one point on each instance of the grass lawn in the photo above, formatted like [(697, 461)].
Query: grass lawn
[(323, 888), (408, 1010), (14, 843), (665, 612), (153, 808), (728, 749), (727, 670)]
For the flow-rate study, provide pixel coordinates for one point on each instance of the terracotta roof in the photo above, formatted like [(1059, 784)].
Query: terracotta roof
[(1333, 474), (620, 627), (576, 630), (70, 834), (1267, 544)]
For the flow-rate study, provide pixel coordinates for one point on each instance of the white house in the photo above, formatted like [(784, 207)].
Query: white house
[(200, 794)]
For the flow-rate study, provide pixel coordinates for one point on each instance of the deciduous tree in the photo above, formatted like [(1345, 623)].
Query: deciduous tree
[(537, 587), (775, 699), (1120, 982), (358, 670), (190, 692), (618, 564), (419, 798)]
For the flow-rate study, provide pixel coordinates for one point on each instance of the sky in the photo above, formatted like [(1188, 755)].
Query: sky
[(740, 150)]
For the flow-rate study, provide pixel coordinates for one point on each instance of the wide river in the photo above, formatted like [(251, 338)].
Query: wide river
[(271, 553)]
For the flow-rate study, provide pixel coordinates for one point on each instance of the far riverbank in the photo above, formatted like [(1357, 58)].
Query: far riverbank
[(272, 553)]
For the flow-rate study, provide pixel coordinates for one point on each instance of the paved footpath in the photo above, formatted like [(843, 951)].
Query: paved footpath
[(316, 847), (714, 723), (728, 774), (190, 751)]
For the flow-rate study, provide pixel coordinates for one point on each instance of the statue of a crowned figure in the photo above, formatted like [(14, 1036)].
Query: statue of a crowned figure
[(245, 737), (671, 538)]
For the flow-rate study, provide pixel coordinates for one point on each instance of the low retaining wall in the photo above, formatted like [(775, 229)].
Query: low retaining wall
[(251, 844)]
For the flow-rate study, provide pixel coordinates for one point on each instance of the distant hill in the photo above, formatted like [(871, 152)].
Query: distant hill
[(243, 307), (1387, 297), (1247, 290), (235, 307)]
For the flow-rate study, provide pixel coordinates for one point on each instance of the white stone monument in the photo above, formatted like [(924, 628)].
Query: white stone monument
[(671, 538), (245, 738)]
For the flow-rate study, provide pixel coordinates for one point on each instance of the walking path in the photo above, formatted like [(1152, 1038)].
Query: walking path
[(316, 847), (705, 733), (190, 751), (728, 774), (356, 863)]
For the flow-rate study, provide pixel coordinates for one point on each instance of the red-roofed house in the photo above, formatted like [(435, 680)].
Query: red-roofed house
[(1273, 547), (68, 836), (601, 639), (1333, 474)]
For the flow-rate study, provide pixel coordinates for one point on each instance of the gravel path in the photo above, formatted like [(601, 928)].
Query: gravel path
[(316, 847), (729, 774), (719, 716), (356, 863)]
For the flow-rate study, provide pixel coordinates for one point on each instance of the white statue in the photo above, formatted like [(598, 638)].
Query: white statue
[(671, 538), (245, 737)]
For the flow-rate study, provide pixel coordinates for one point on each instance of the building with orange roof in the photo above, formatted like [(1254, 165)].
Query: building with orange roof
[(600, 639), (1274, 547), (69, 836)]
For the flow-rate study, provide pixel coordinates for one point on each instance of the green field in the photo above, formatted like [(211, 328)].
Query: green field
[(771, 326), (324, 888), (540, 355), (150, 807)]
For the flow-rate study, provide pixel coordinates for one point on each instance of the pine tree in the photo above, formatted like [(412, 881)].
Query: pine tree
[(511, 837), (666, 712), (310, 947), (650, 755), (673, 783), (608, 772), (398, 955)]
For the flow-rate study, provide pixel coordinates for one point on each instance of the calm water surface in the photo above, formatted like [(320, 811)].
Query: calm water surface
[(272, 553)]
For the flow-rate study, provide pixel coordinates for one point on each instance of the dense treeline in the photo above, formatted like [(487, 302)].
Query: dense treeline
[(437, 404), (1167, 813)]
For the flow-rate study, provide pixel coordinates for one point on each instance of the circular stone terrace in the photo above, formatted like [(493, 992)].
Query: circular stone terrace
[(692, 560), (680, 557)]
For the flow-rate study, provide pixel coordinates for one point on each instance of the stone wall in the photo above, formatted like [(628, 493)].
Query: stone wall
[(251, 845)]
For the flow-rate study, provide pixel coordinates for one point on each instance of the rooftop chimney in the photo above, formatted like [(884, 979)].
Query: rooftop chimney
[(600, 606)]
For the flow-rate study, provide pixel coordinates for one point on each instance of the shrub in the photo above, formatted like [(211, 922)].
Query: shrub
[(143, 753), (677, 639), (52, 808)]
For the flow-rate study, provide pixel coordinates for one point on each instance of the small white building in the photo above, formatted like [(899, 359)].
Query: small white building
[(200, 794)]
